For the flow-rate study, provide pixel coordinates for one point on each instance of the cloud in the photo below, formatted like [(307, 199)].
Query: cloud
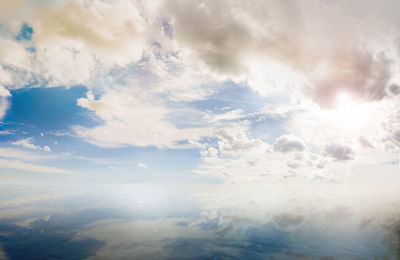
[(27, 143), (14, 55), (287, 144), (115, 39), (131, 117), (71, 43), (141, 165), (238, 158), (234, 141), (146, 64), (30, 161), (4, 101), (339, 152), (230, 115), (14, 164), (24, 154), (277, 46), (394, 89), (4, 92)]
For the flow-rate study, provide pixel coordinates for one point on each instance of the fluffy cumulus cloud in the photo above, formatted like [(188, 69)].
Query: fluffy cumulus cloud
[(239, 158), (287, 143), (235, 141), (130, 118)]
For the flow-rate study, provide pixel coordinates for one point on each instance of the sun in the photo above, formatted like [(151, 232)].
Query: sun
[(350, 118), (344, 99), (349, 115)]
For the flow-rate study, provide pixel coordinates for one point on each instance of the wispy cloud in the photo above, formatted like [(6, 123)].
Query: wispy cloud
[(13, 164), (27, 143)]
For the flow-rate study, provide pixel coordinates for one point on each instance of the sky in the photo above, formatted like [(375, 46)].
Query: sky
[(199, 129), (199, 91)]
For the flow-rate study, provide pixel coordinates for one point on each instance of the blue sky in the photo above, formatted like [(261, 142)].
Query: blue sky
[(46, 115)]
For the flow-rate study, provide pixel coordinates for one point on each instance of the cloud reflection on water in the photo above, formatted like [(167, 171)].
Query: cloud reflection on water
[(162, 221)]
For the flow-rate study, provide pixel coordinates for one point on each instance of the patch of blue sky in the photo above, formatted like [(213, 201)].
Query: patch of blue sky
[(25, 33), (46, 114), (269, 127), (99, 164), (233, 96), (38, 110), (163, 165)]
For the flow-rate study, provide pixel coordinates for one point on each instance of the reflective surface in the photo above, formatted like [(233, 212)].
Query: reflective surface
[(161, 221)]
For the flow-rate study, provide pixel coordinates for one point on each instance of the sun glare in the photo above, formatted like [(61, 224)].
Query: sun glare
[(349, 117), (344, 99), (349, 114)]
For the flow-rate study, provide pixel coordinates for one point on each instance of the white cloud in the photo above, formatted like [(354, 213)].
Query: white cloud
[(13, 164), (4, 100), (288, 143), (4, 105), (73, 49), (230, 115), (14, 55), (27, 143), (234, 141), (131, 117), (6, 132), (4, 92), (11, 158), (24, 154)]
